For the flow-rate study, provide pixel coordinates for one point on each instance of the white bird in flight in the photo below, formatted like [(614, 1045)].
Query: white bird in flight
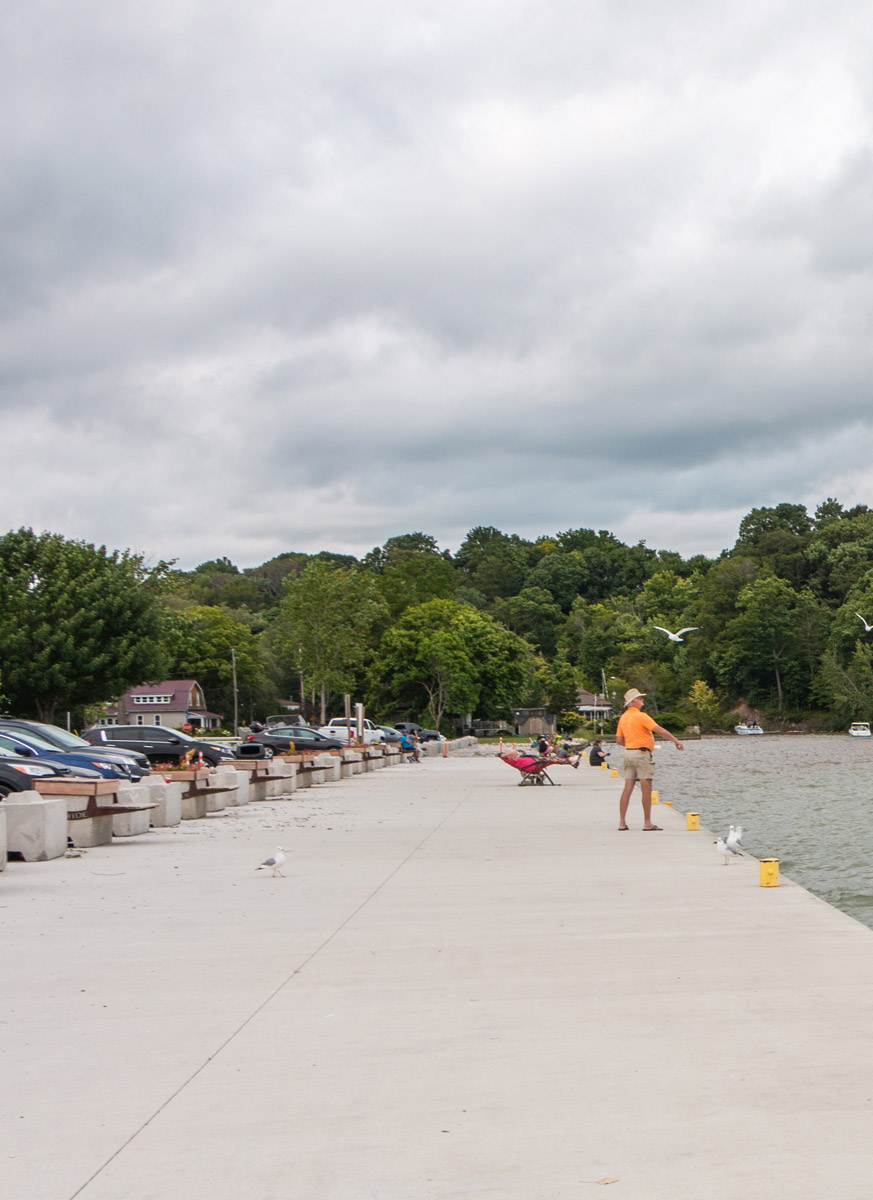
[(867, 627), (727, 850), (677, 637), (274, 863)]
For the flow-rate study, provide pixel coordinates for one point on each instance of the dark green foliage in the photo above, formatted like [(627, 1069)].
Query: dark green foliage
[(78, 625)]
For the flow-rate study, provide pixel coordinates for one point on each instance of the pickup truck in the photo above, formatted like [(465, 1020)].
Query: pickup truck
[(346, 732)]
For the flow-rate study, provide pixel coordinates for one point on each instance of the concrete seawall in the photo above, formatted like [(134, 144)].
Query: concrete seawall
[(462, 989)]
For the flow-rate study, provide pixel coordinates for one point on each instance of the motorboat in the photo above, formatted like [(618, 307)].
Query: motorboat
[(859, 729), (748, 728)]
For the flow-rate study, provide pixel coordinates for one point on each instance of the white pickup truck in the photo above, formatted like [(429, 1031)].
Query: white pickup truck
[(338, 728)]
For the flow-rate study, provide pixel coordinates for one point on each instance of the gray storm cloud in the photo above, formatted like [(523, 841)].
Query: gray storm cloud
[(279, 279)]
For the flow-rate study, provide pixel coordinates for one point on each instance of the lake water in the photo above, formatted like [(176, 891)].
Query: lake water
[(805, 800)]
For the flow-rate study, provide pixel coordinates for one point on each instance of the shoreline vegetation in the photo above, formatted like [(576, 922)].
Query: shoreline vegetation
[(777, 629)]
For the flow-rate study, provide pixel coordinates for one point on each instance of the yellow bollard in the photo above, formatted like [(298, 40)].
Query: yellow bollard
[(769, 872), (692, 820), (604, 767), (615, 772), (656, 797)]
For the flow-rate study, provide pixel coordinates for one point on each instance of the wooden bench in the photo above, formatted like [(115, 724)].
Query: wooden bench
[(198, 790), (91, 805)]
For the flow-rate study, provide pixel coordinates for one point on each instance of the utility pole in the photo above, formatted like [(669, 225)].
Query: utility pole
[(235, 697)]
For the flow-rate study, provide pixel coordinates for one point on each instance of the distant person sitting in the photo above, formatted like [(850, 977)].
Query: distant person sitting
[(409, 745), (543, 746), (597, 755)]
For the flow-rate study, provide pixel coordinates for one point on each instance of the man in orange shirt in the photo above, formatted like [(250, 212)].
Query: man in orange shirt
[(635, 732)]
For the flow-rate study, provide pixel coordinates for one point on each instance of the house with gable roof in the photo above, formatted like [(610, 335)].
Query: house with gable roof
[(173, 704)]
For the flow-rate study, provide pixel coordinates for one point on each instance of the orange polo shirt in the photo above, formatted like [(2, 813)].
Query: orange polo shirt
[(636, 726)]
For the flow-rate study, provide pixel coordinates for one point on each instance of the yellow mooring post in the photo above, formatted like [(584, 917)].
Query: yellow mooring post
[(692, 820), (769, 872), (656, 797), (604, 767), (615, 772)]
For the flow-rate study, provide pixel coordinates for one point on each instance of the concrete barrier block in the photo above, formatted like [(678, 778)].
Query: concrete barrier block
[(131, 823), (193, 808), (241, 796), (168, 798), (91, 831), (2, 839), (35, 828)]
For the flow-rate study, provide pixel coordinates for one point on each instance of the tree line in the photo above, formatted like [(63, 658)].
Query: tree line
[(505, 622)]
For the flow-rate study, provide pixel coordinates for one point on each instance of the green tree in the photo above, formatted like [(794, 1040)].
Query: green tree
[(765, 652), (78, 625), (533, 615), (203, 643), (443, 657), (328, 621)]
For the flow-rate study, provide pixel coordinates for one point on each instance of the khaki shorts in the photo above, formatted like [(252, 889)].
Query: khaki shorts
[(638, 764)]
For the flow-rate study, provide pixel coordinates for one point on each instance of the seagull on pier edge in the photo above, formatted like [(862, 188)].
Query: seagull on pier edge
[(734, 837), (676, 637), (728, 851), (274, 863), (867, 627)]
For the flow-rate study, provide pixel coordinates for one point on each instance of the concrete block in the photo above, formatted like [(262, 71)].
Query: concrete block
[(193, 808), (131, 823), (331, 766), (229, 778), (91, 831), (2, 839), (168, 798), (242, 789), (35, 828)]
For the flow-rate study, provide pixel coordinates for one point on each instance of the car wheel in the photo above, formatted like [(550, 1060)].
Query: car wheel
[(267, 752), (5, 790)]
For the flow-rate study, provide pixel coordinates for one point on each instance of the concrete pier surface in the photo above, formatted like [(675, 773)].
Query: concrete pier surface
[(462, 989)]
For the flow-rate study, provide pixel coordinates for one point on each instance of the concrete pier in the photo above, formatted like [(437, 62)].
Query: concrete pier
[(463, 989)]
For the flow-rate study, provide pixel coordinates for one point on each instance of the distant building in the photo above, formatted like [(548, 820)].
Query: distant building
[(593, 707), (173, 703), (531, 722)]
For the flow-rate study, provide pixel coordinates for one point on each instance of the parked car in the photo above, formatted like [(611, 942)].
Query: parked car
[(424, 735), (392, 735), (287, 740), (29, 745), (64, 740), (17, 774), (346, 731), (157, 742)]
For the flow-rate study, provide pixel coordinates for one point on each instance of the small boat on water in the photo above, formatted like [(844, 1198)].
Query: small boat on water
[(748, 728), (860, 729)]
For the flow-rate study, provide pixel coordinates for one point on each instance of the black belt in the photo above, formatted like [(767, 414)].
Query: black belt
[(646, 748)]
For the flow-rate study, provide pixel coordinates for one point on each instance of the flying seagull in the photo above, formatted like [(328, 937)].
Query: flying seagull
[(274, 863), (676, 637), (867, 627), (727, 850)]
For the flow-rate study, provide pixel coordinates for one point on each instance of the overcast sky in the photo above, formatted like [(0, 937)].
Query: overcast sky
[(287, 276)]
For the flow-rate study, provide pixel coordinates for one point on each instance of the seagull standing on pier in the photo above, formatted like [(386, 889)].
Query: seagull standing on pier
[(274, 863), (677, 637), (728, 851), (734, 838)]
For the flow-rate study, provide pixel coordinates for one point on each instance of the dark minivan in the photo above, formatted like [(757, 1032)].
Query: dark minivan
[(157, 742)]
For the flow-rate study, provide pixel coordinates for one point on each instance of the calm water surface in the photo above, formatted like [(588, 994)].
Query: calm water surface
[(805, 800)]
